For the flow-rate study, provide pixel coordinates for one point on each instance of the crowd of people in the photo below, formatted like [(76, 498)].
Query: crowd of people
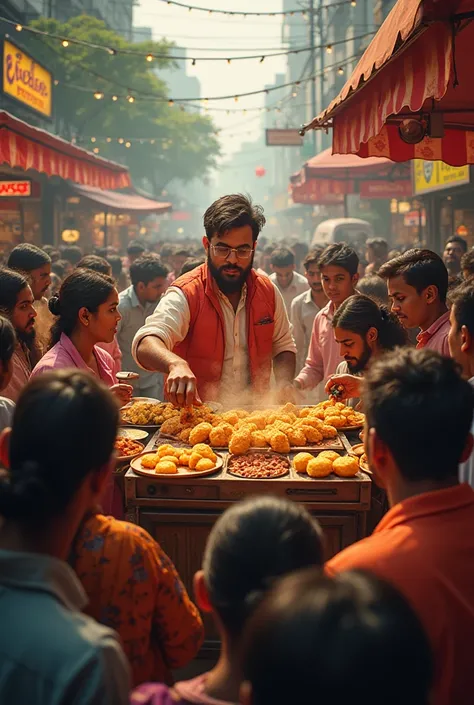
[(93, 610)]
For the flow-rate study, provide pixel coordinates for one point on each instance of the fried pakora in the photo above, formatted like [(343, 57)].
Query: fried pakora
[(259, 440), (240, 442), (200, 433), (150, 461), (329, 431), (296, 436), (166, 468), (204, 451), (319, 467), (301, 460), (205, 464), (279, 442), (172, 427), (331, 454), (346, 466)]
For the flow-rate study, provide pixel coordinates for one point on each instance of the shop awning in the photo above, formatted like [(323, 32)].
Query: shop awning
[(313, 192), (121, 202), (26, 147), (419, 65), (350, 166)]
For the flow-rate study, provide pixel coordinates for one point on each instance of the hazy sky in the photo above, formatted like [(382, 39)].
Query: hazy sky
[(201, 32)]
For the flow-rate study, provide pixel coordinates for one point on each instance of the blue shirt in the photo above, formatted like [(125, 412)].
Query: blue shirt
[(134, 316), (50, 653)]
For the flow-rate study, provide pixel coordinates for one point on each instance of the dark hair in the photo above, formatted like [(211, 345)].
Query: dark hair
[(82, 288), (11, 283), (233, 211), (467, 262), (26, 257), (312, 257), (59, 267), (167, 250), (72, 253), (115, 262), (54, 414), (250, 545), (412, 397), (458, 240), (191, 264), (52, 252), (340, 255), (181, 252), (374, 287), (95, 264), (313, 636), (135, 248), (7, 341), (146, 268), (462, 302), (419, 269), (378, 245), (359, 313), (282, 257)]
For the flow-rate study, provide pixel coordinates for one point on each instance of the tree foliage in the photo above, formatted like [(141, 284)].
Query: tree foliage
[(185, 144)]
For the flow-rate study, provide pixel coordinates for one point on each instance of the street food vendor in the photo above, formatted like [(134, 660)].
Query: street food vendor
[(221, 328)]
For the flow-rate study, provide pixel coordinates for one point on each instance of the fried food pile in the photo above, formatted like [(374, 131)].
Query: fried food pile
[(166, 459), (125, 447), (276, 429), (143, 413), (323, 464)]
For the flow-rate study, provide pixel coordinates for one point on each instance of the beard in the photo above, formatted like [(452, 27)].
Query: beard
[(229, 286), (361, 363), (26, 337)]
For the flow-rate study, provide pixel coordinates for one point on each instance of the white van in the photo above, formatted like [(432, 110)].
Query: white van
[(351, 230)]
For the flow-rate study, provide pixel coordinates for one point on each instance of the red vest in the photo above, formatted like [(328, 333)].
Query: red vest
[(204, 346)]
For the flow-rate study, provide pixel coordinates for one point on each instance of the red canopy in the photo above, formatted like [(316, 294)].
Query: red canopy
[(419, 63), (27, 147), (117, 201)]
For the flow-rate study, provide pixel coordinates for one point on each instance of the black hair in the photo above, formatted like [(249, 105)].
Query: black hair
[(282, 257), (378, 245), (60, 267), (312, 257), (52, 252), (7, 341), (251, 544), (54, 414), (27, 257), (82, 288), (146, 268), (419, 269), (313, 636), (190, 264), (233, 211), (11, 283), (73, 254), (181, 252), (95, 264), (458, 240), (340, 255), (467, 262), (359, 313), (167, 250), (115, 262), (462, 302), (412, 397), (135, 248), (374, 287)]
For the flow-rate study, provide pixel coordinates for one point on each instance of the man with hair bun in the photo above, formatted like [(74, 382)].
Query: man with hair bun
[(222, 328)]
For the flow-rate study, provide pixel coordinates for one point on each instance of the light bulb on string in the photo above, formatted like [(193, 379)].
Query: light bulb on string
[(114, 98), (340, 70), (111, 51), (93, 139), (65, 43), (109, 140), (329, 49), (229, 61), (171, 102), (193, 62), (150, 57), (120, 140), (130, 99), (98, 95), (262, 59), (19, 27), (128, 145)]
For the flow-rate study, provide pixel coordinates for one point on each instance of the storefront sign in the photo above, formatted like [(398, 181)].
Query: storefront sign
[(436, 176), (323, 192), (283, 138), (11, 189), (26, 80), (385, 189)]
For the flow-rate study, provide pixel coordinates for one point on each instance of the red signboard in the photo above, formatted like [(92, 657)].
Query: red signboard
[(385, 189), (324, 192), (18, 188)]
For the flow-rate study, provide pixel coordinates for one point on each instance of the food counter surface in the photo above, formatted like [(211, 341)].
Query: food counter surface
[(179, 513)]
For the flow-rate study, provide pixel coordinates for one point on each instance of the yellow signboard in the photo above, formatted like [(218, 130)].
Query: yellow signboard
[(26, 80), (435, 176)]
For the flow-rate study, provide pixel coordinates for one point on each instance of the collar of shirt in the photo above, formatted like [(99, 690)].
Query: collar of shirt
[(329, 310), (308, 299), (426, 504), (101, 356), (41, 573), (225, 300), (427, 334)]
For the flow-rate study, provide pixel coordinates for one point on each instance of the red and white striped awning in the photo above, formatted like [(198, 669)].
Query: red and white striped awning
[(26, 147), (419, 63)]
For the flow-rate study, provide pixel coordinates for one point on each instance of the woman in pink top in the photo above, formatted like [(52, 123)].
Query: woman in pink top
[(251, 545)]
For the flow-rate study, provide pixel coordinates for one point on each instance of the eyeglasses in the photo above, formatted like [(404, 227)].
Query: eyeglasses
[(243, 252)]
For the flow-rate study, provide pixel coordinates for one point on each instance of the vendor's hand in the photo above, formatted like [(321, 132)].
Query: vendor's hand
[(287, 393), (181, 385), (123, 393), (349, 384)]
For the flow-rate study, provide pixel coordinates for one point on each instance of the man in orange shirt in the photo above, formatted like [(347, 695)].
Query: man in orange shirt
[(419, 414)]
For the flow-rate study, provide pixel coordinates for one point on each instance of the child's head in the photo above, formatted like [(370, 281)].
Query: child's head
[(417, 285), (253, 543), (338, 265), (7, 348)]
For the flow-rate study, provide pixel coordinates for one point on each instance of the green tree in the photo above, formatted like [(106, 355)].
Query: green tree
[(185, 143)]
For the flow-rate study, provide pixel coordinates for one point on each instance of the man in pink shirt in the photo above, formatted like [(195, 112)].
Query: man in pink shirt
[(338, 265), (417, 286)]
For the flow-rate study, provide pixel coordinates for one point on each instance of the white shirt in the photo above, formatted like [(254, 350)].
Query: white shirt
[(299, 284), (466, 470), (171, 320), (303, 313)]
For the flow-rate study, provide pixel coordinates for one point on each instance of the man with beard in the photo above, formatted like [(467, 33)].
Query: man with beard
[(363, 330), (455, 248), (17, 304), (220, 328), (303, 312)]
